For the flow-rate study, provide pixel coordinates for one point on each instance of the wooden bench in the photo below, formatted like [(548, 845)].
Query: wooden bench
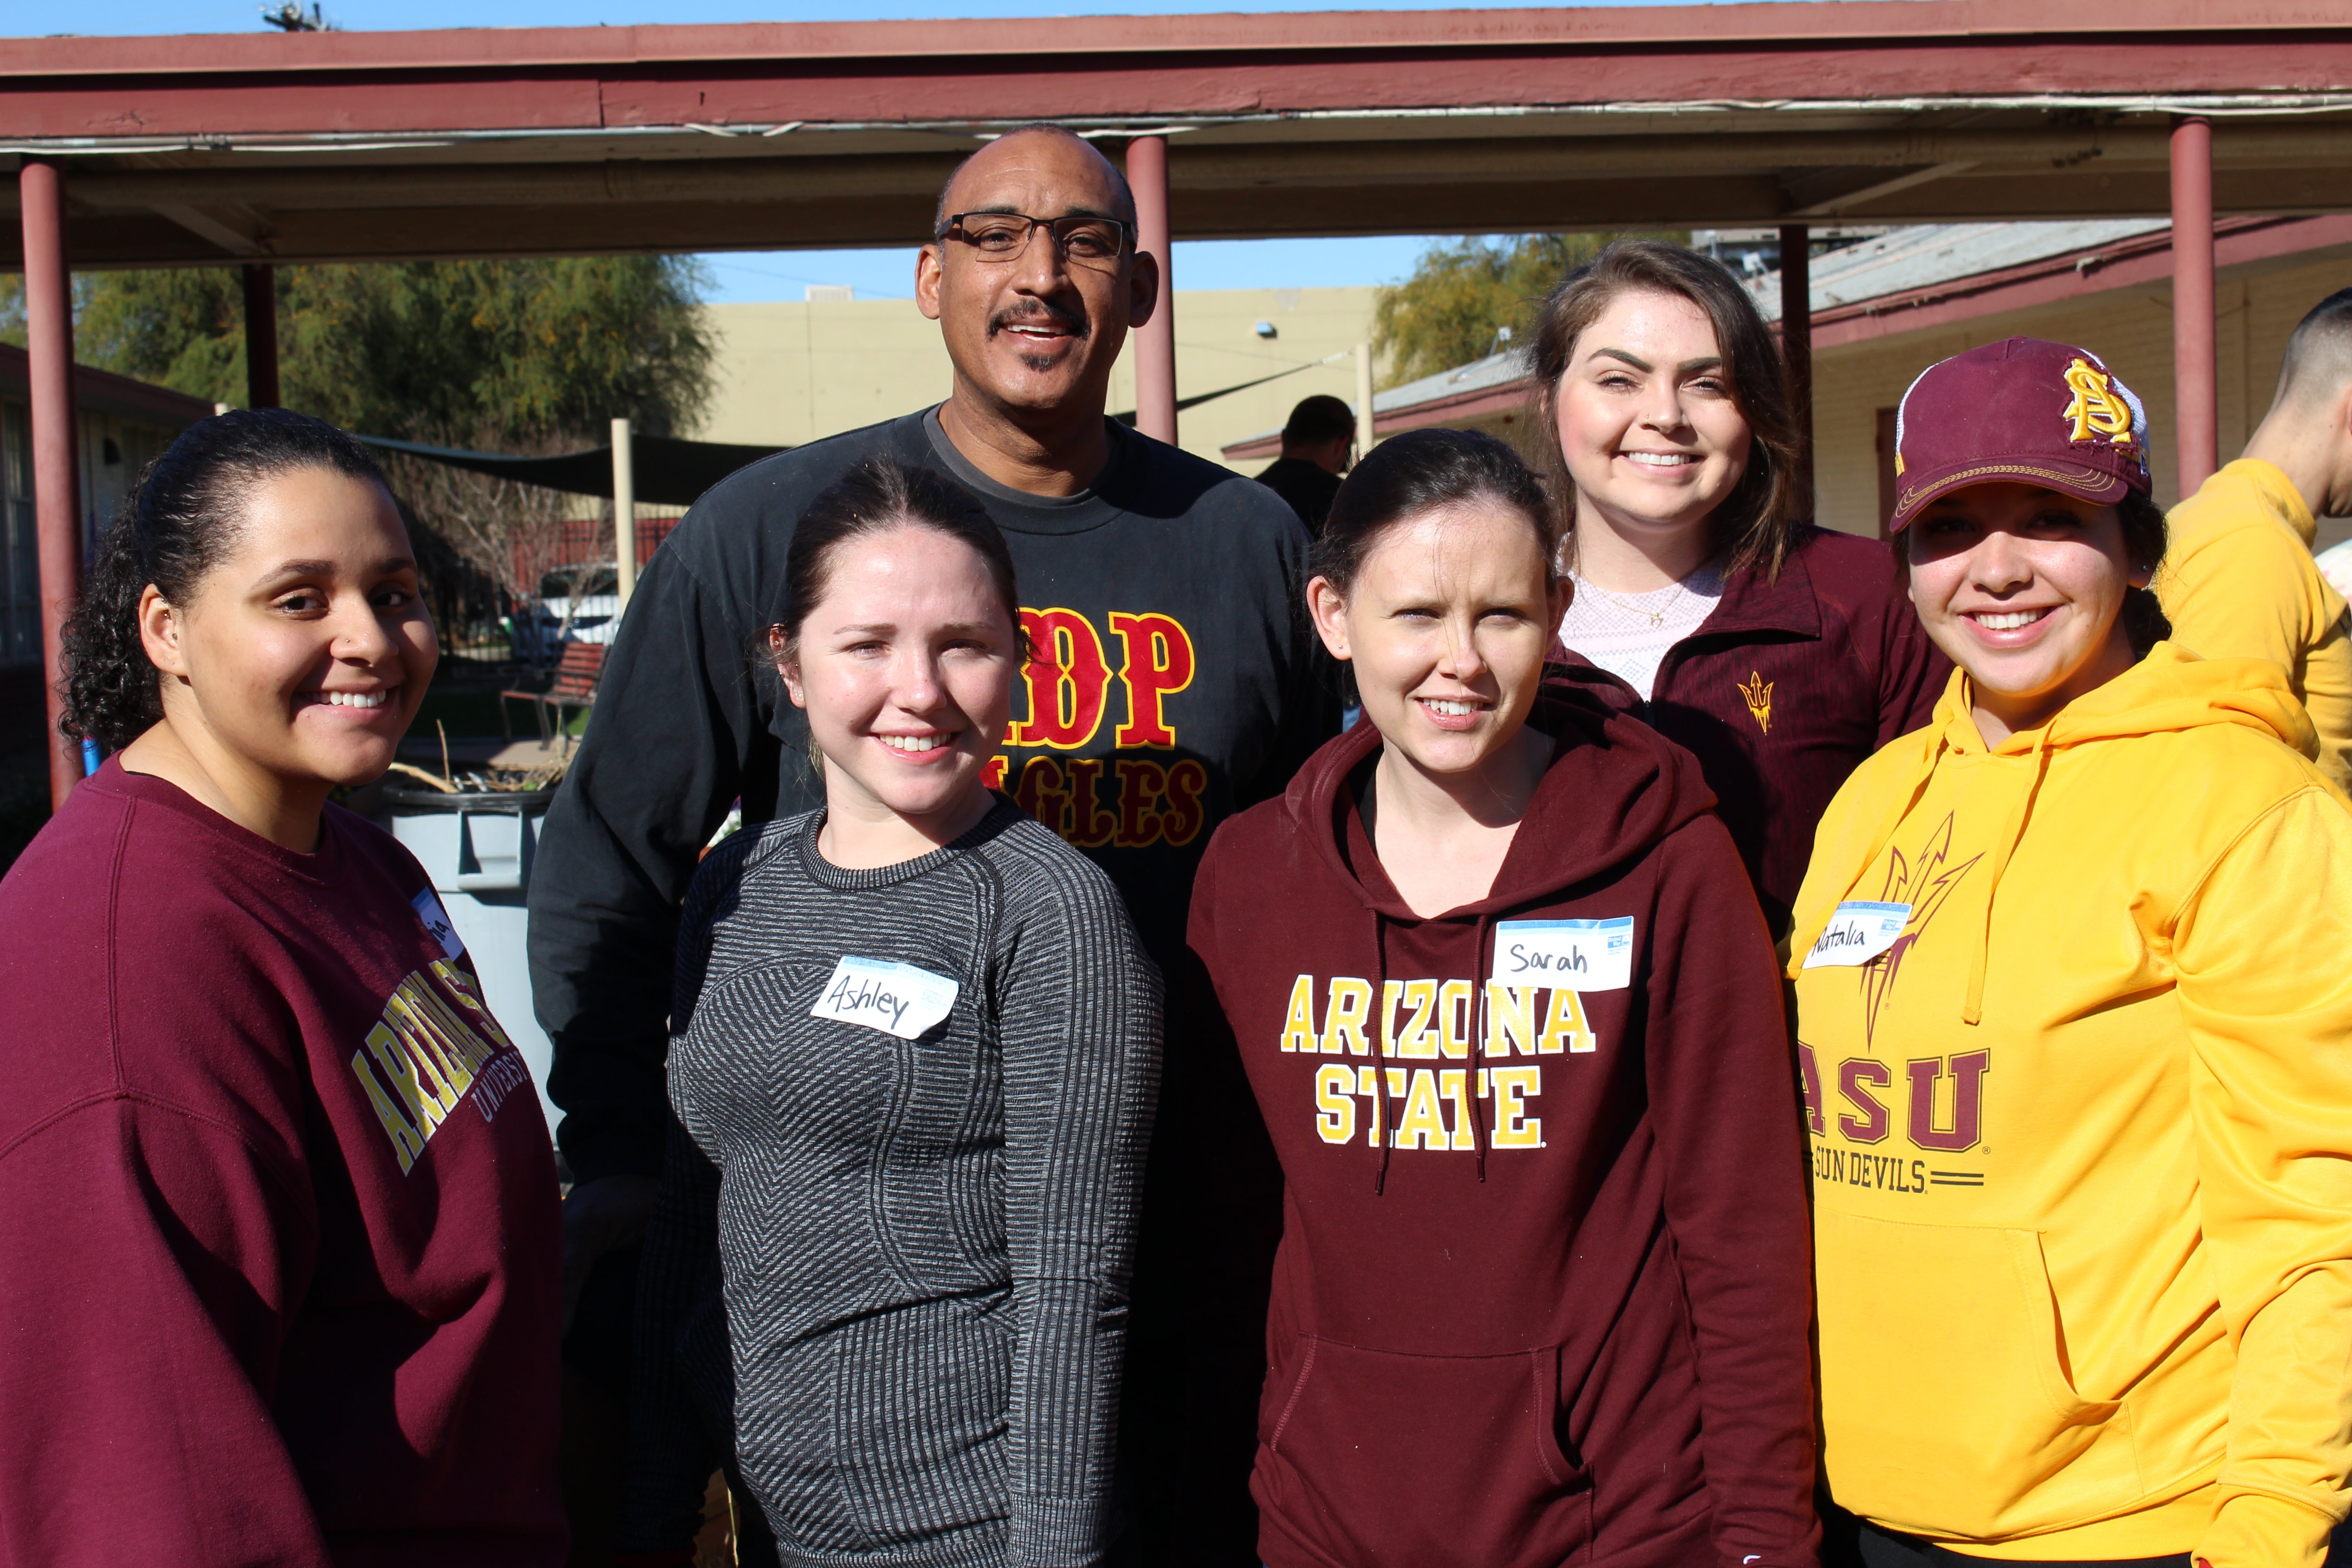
[(575, 687)]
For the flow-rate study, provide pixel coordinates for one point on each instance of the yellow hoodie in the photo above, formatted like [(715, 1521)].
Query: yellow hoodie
[(2082, 1135), (2239, 582)]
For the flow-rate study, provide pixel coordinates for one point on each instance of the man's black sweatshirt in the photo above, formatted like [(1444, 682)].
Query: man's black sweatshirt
[(1177, 683)]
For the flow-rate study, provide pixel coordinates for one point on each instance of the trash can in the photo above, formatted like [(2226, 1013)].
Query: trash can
[(477, 847)]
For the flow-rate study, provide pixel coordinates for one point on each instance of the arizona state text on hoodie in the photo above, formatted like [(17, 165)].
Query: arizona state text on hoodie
[(1541, 1291), (2075, 1027)]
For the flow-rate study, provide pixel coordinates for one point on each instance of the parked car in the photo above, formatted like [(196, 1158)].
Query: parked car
[(580, 603)]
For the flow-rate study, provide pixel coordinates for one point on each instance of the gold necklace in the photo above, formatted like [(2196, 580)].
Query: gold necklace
[(1656, 617)]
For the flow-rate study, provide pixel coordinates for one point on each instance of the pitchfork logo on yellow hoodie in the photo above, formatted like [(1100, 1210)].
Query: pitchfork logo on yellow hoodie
[(1924, 880)]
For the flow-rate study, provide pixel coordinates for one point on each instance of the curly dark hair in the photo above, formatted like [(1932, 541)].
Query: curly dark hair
[(179, 520)]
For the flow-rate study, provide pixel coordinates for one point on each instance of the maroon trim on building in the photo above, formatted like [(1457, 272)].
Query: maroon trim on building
[(592, 78), (103, 392), (2144, 258)]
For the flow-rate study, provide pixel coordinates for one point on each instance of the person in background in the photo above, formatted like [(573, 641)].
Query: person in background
[(2239, 581), (2073, 1018), (1781, 654), (1513, 1019), (915, 1051), (1315, 444), (1174, 683), (276, 1194)]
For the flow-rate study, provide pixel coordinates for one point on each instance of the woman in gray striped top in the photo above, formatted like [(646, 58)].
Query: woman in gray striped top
[(914, 1053)]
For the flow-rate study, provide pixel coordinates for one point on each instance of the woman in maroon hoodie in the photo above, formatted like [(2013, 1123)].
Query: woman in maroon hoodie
[(1781, 654), (278, 1245), (1514, 1024)]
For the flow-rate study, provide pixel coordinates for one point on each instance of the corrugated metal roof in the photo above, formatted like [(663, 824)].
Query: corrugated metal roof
[(1495, 369), (1927, 253)]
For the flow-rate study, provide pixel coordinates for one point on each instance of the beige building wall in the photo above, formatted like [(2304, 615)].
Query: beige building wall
[(2256, 306), (794, 372)]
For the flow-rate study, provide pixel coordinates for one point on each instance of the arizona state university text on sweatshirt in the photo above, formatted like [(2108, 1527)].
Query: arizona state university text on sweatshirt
[(2082, 1133), (1559, 1312), (280, 1258)]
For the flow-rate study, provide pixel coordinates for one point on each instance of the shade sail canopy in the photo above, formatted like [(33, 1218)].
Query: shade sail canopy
[(503, 141), (668, 471)]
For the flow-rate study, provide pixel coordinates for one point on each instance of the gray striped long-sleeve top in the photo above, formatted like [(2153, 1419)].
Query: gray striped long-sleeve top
[(893, 1271)]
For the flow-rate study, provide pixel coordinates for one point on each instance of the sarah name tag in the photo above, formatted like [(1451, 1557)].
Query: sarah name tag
[(895, 998), (1570, 955), (1857, 933)]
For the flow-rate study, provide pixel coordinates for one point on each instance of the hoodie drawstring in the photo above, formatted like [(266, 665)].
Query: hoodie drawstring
[(1972, 1007), (1379, 1061)]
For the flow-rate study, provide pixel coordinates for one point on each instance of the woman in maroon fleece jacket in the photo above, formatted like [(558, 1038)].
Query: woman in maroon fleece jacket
[(279, 1260), (1514, 1024), (1781, 654)]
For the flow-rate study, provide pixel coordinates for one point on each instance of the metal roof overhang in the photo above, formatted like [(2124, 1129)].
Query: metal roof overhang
[(355, 146)]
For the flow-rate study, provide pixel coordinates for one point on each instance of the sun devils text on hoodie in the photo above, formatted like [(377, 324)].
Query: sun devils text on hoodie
[(1541, 1295), (2075, 1016)]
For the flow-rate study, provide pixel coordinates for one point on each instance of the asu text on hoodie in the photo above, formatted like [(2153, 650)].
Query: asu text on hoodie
[(1560, 1314), (2082, 1135)]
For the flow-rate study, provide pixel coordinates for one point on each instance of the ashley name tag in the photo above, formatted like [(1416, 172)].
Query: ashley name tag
[(1573, 955), (1857, 933), (895, 998)]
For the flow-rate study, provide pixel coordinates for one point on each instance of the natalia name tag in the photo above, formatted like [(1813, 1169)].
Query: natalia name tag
[(895, 998), (1570, 955), (1857, 933)]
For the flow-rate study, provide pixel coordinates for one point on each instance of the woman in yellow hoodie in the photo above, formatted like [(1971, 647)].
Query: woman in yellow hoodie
[(2074, 973)]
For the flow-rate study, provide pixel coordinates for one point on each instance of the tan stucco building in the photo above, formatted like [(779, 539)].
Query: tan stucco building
[(794, 373)]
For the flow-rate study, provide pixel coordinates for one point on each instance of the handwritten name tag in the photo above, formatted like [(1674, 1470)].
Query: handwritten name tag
[(1573, 955), (895, 998), (436, 923), (1857, 933)]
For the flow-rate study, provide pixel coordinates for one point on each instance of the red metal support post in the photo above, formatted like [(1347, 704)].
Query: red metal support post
[(1797, 349), (2195, 396), (261, 337), (1155, 340), (56, 484)]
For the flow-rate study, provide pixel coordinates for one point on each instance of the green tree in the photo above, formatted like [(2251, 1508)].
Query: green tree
[(530, 356), (1464, 293)]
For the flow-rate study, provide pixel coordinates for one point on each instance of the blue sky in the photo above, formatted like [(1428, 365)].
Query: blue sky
[(1200, 264), (782, 274)]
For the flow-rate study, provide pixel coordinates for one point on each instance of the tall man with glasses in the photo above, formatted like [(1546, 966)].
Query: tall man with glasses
[(1176, 683)]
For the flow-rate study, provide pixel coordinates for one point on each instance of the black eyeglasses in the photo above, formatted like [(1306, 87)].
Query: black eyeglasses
[(1081, 240)]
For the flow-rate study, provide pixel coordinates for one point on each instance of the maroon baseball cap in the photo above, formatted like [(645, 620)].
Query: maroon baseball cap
[(2025, 410)]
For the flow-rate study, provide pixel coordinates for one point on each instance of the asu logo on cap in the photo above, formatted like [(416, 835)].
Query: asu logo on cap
[(2101, 407)]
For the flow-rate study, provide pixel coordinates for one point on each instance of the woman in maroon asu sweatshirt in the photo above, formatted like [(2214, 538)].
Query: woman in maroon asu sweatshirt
[(1512, 1019), (279, 1248), (1781, 654)]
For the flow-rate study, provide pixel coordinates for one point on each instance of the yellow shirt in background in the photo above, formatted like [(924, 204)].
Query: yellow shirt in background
[(2237, 582), (2075, 1039)]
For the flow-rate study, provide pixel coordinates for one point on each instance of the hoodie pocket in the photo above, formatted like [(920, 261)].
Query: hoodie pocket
[(1947, 1405), (1373, 1457)]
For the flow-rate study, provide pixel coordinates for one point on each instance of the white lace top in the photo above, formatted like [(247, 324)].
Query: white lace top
[(1627, 634)]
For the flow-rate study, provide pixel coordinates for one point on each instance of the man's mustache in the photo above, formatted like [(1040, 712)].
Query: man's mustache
[(1038, 312)]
